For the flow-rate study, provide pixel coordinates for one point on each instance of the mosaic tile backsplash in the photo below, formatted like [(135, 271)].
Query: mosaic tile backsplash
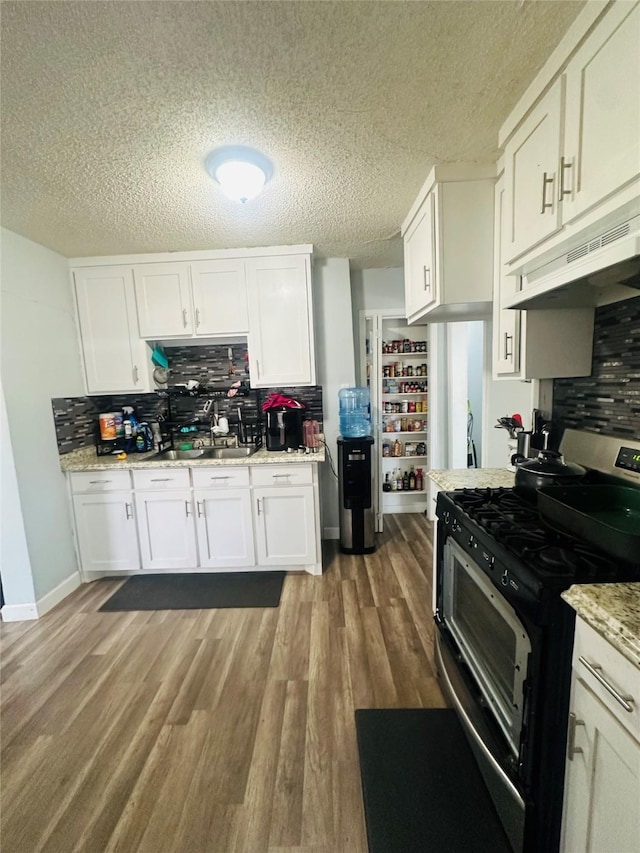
[(608, 401), (76, 418)]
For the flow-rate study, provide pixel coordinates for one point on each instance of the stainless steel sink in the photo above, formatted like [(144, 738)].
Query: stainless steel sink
[(228, 452), (181, 454), (209, 453)]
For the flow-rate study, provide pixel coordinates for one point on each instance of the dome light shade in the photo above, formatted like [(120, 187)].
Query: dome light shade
[(241, 172)]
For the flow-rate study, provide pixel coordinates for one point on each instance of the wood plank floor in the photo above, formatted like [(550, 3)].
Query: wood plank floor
[(213, 730)]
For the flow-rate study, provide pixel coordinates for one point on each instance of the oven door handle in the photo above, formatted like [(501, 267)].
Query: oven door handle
[(475, 734)]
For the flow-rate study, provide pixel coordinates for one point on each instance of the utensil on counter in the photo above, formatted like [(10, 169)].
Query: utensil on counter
[(547, 469)]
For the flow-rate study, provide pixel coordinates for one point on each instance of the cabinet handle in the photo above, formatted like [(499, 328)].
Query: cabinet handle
[(221, 477), (572, 749), (545, 180), (278, 476), (508, 338), (258, 367), (128, 510), (199, 508), (97, 482), (563, 165), (427, 278), (594, 669), (135, 374), (197, 317), (186, 509), (258, 505), (161, 479), (184, 317)]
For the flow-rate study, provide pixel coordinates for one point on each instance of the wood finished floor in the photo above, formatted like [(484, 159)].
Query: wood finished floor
[(213, 730)]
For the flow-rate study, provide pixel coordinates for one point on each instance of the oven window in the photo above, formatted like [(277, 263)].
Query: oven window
[(492, 640), (487, 632)]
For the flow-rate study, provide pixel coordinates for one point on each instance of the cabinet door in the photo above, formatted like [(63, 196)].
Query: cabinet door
[(107, 535), (220, 297), (506, 321), (532, 158), (285, 525), (602, 783), (114, 355), (280, 321), (167, 530), (602, 138), (225, 531), (419, 260), (163, 299)]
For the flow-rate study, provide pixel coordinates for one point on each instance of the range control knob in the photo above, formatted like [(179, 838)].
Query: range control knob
[(455, 526)]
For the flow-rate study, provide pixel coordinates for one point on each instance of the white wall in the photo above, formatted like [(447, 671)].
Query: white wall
[(375, 290), (335, 368), (15, 566), (475, 382), (40, 360)]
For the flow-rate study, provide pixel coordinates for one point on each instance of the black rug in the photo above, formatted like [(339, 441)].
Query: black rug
[(198, 591), (422, 789)]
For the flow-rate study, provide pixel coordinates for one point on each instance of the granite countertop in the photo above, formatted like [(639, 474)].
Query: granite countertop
[(87, 460), (472, 478), (613, 610)]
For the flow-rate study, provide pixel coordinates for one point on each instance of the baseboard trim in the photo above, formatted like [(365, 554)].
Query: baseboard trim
[(331, 533), (19, 612), (55, 596)]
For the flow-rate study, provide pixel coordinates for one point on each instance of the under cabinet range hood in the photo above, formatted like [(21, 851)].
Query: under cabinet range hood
[(595, 272)]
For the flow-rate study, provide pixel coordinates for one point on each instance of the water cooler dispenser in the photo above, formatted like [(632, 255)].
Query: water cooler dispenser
[(355, 445)]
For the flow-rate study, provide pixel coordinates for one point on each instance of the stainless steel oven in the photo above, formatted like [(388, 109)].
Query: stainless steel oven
[(492, 640), (504, 635)]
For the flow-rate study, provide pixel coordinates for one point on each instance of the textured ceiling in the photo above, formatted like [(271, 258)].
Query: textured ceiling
[(109, 109)]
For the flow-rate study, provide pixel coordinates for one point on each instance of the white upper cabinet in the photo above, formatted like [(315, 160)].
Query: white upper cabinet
[(448, 246), (572, 162), (164, 300), (220, 297), (419, 257), (115, 358), (602, 131), (531, 164), (281, 350)]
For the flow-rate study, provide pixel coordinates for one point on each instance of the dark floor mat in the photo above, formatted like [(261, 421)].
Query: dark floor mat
[(198, 591), (422, 789)]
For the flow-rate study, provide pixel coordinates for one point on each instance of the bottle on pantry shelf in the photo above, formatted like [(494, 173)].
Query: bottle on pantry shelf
[(386, 486), (419, 480), (399, 481), (397, 448), (405, 481), (412, 480), (394, 483)]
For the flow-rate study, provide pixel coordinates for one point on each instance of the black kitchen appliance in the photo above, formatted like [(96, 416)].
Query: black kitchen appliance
[(284, 428), (504, 635), (357, 527)]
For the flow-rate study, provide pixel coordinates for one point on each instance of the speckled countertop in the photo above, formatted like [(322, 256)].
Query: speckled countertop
[(472, 478), (613, 610), (87, 460)]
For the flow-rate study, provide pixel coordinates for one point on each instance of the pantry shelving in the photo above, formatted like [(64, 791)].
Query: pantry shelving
[(395, 368)]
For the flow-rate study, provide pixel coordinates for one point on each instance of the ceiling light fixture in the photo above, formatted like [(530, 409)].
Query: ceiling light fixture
[(241, 172)]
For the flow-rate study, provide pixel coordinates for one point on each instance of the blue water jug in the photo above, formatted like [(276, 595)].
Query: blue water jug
[(355, 415)]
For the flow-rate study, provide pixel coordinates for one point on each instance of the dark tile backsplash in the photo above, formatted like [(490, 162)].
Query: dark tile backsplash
[(608, 401), (76, 418)]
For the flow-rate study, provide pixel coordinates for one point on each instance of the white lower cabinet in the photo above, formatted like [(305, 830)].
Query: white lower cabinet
[(216, 518), (106, 531), (602, 782), (285, 525), (166, 526), (224, 529)]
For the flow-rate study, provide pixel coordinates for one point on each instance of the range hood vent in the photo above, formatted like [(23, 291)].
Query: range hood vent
[(599, 271)]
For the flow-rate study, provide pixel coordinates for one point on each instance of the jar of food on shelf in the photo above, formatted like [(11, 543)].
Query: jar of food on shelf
[(386, 449), (421, 449), (412, 406), (410, 448), (397, 425), (404, 424)]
